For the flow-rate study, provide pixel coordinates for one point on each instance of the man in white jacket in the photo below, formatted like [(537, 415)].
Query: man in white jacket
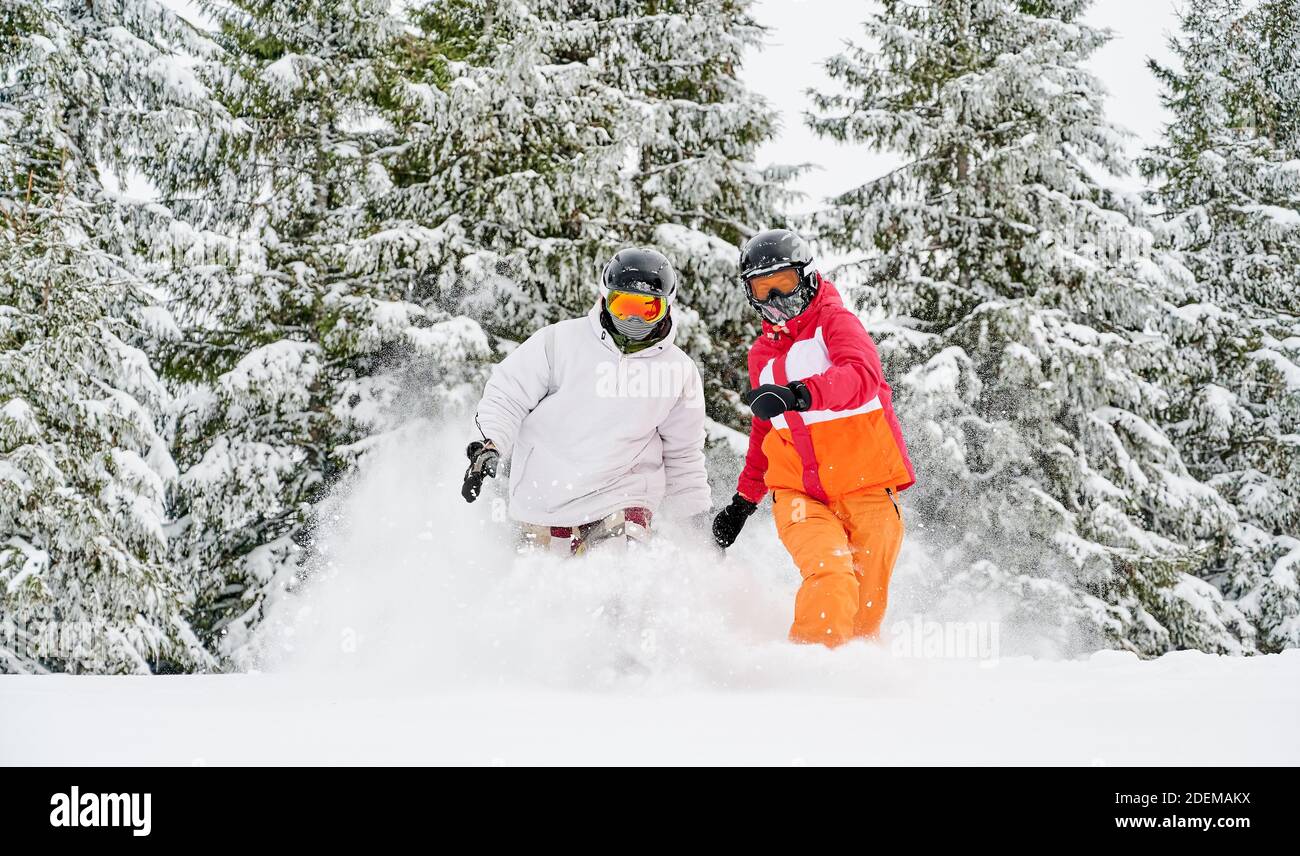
[(602, 417)]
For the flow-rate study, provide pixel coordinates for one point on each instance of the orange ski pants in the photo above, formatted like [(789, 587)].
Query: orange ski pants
[(845, 550)]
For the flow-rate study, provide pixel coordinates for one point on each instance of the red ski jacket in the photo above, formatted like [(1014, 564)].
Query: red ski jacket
[(849, 440)]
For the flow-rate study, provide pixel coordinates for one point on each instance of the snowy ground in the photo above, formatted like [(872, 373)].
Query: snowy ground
[(424, 639), (1112, 709)]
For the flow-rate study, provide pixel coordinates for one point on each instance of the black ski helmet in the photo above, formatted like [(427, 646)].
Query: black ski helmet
[(773, 250), (642, 271)]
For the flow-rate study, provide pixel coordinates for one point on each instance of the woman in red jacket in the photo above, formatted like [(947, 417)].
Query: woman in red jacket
[(824, 440)]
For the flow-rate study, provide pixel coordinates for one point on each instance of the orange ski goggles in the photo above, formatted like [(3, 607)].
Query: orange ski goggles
[(625, 305), (782, 282)]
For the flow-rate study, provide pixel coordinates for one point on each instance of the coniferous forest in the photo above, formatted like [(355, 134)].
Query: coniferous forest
[(357, 207)]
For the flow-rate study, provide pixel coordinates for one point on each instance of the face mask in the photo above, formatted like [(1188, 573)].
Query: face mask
[(633, 328), (781, 308)]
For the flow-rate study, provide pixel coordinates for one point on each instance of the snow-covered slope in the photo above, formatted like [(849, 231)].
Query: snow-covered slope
[(424, 638), (1186, 708)]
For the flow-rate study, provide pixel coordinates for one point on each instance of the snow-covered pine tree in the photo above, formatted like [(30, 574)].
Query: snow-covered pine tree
[(289, 351), (84, 581), (1228, 185), (1021, 293), (693, 188), (545, 136), (507, 181)]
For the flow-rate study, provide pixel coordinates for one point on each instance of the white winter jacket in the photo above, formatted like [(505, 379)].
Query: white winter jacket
[(590, 430)]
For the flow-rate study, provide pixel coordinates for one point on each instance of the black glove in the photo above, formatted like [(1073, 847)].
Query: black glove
[(771, 400), (483, 459), (730, 520)]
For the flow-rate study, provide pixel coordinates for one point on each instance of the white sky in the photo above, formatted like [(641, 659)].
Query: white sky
[(802, 33)]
